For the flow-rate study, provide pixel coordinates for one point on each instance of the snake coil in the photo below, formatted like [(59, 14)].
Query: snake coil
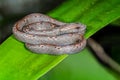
[(45, 35)]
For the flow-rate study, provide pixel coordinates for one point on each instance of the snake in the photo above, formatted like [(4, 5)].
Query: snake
[(45, 35)]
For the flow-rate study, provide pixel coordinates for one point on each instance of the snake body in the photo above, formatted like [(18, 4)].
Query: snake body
[(42, 34)]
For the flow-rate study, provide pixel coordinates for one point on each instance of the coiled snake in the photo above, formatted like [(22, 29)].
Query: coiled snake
[(45, 35)]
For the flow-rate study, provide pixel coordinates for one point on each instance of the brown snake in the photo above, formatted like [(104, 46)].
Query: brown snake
[(45, 35)]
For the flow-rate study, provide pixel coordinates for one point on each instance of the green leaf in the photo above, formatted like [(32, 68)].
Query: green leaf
[(17, 63)]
